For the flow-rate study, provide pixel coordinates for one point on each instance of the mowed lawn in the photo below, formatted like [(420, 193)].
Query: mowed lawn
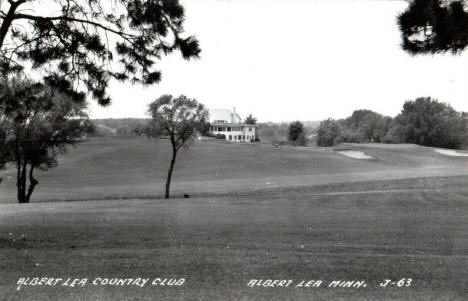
[(301, 214), (219, 243), (122, 168)]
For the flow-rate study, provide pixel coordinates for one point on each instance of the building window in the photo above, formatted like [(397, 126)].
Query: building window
[(230, 137), (229, 129)]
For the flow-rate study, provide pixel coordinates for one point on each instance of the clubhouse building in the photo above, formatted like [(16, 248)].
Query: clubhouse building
[(227, 123)]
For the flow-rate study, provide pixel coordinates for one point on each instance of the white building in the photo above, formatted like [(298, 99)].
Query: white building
[(227, 123)]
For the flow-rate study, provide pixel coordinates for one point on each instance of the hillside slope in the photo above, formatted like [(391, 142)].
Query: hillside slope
[(114, 167)]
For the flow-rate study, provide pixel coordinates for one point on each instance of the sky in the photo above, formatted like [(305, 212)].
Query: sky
[(284, 60)]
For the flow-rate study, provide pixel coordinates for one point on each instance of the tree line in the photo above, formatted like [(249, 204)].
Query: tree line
[(424, 121), (118, 127), (279, 132)]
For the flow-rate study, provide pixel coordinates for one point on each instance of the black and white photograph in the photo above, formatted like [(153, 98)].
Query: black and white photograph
[(234, 150)]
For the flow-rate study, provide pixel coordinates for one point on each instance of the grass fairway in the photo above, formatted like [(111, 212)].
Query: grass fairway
[(322, 217), (124, 168)]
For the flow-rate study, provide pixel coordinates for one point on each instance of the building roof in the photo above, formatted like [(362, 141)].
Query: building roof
[(231, 124), (225, 115)]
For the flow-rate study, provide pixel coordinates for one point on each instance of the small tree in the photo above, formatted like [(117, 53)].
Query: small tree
[(250, 120), (38, 123), (328, 133), (296, 134), (176, 119)]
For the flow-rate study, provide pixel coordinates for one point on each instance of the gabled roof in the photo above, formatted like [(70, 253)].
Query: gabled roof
[(224, 114)]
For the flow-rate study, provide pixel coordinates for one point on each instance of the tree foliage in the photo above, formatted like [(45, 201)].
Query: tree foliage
[(365, 126), (424, 121), (205, 128), (428, 122), (80, 45), (250, 120), (37, 124), (296, 133), (362, 126), (434, 26), (178, 120), (273, 132), (328, 133)]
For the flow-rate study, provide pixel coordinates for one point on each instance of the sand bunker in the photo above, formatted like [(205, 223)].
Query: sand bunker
[(355, 154), (451, 152)]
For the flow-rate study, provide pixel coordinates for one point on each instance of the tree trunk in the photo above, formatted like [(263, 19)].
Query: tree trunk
[(32, 184), (21, 182), (23, 195), (169, 173)]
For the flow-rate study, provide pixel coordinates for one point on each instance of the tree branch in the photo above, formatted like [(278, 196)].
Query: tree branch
[(8, 19), (69, 19)]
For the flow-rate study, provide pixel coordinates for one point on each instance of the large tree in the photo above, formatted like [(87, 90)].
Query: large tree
[(428, 122), (178, 120), (82, 44), (434, 26), (38, 123)]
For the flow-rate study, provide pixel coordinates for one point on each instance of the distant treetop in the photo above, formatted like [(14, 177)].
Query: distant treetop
[(250, 120)]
